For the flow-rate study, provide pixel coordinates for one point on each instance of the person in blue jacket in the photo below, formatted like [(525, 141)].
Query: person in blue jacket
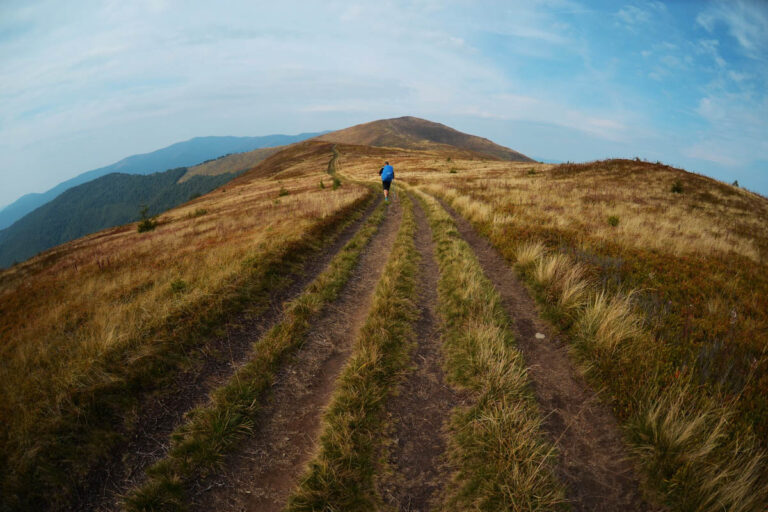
[(387, 174)]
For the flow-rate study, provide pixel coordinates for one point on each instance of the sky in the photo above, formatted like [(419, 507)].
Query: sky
[(86, 83)]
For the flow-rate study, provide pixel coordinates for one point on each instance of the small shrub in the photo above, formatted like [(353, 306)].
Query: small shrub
[(735, 183), (677, 187), (336, 183), (531, 171), (147, 223), (198, 213), (448, 159), (613, 220), (453, 170), (283, 192), (322, 185), (178, 286)]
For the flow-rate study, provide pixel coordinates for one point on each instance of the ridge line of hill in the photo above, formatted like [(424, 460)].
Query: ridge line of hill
[(180, 154)]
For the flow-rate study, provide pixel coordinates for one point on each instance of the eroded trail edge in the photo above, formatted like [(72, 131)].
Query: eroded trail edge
[(422, 407), (264, 472), (594, 461)]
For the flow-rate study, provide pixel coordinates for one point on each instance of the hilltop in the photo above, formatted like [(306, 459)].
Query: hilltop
[(420, 134), (501, 335)]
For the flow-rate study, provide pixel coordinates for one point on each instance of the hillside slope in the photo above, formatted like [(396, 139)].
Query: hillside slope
[(107, 201), (231, 163), (181, 154), (414, 133)]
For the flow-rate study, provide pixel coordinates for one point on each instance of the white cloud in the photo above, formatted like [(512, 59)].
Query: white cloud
[(746, 21)]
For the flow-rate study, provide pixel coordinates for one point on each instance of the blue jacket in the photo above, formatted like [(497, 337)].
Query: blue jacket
[(387, 173)]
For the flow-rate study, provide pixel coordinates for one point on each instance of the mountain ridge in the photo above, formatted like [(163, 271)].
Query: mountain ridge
[(180, 154)]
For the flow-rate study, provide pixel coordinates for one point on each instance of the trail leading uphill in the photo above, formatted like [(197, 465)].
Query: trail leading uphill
[(266, 468)]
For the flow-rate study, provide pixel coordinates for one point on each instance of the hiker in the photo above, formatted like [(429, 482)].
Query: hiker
[(387, 174)]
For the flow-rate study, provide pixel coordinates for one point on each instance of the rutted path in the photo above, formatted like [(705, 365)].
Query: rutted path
[(160, 415), (422, 407), (264, 472), (593, 456)]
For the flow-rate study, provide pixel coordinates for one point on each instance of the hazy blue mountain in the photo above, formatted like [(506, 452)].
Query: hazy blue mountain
[(181, 154), (107, 201)]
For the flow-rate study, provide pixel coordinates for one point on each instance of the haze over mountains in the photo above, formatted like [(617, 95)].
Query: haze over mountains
[(181, 154), (109, 196)]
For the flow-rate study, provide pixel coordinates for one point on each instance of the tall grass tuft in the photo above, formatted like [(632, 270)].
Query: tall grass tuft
[(607, 321), (678, 437)]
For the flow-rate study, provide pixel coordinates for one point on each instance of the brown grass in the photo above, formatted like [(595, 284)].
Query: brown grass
[(70, 309), (699, 313)]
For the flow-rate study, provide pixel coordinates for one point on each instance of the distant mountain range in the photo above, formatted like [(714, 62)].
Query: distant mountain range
[(181, 154)]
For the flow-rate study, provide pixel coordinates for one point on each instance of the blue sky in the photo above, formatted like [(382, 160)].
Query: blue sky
[(86, 83)]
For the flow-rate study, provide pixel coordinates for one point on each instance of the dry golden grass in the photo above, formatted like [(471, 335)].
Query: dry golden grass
[(231, 163), (587, 235), (67, 309)]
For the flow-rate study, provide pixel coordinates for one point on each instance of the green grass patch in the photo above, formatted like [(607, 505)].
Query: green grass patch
[(211, 431), (497, 449), (341, 476)]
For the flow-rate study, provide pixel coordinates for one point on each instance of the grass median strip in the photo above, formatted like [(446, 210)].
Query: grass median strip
[(341, 476), (199, 445), (500, 457)]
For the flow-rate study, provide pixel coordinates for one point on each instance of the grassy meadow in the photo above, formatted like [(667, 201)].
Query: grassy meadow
[(660, 279), (90, 317)]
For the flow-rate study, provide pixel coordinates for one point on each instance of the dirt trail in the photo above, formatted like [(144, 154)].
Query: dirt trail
[(160, 415), (421, 409), (262, 474), (593, 458)]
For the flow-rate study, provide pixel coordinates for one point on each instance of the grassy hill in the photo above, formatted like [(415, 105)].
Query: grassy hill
[(226, 164), (282, 342), (107, 201), (415, 133)]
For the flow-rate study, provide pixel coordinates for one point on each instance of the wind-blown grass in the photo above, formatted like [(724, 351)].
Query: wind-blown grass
[(684, 440)]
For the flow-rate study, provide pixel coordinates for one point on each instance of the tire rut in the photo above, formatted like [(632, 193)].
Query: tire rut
[(160, 415), (593, 459), (261, 475), (422, 407)]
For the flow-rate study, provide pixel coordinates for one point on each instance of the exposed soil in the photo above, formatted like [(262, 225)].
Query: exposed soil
[(422, 407), (160, 414), (261, 476), (593, 457)]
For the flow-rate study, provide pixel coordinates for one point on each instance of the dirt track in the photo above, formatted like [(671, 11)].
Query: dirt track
[(593, 457), (262, 474), (422, 407), (158, 416)]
